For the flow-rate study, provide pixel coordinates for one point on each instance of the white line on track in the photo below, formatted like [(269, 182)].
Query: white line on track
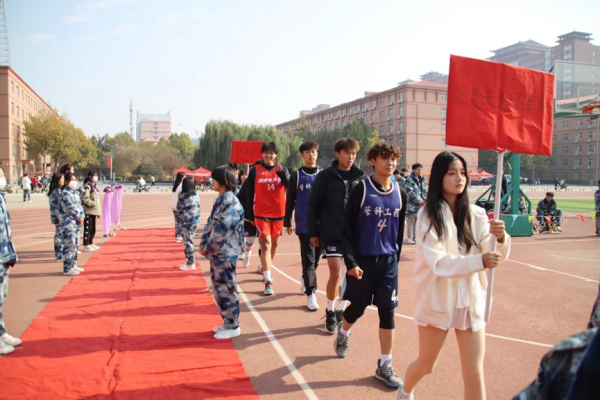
[(553, 270), (278, 348), (538, 242), (575, 258), (407, 317)]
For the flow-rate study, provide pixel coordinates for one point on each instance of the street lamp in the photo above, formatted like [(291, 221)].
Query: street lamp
[(111, 162)]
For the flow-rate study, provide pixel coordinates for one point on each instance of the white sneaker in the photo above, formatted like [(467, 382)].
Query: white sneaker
[(95, 247), (185, 267), (312, 303), (5, 348), (78, 268), (179, 239), (31, 201), (10, 340), (246, 258), (78, 252), (259, 268), (228, 333), (219, 328), (89, 248), (559, 228), (72, 272), (302, 287), (410, 241)]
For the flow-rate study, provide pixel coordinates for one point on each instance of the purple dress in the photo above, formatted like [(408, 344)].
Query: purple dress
[(117, 202), (106, 209)]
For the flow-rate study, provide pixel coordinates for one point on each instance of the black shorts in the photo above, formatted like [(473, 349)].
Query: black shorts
[(332, 248), (379, 283), (249, 229)]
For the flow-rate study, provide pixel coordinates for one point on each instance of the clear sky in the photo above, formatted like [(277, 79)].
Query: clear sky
[(255, 62)]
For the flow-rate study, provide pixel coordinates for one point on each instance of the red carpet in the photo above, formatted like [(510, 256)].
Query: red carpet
[(132, 326)]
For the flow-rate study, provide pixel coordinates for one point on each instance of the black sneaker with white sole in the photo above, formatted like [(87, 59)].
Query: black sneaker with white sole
[(330, 321), (339, 316)]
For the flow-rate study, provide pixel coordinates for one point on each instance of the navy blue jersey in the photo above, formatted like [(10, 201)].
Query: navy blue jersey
[(376, 231), (304, 185)]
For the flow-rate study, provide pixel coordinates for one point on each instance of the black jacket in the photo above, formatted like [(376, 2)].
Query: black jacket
[(328, 200), (249, 194)]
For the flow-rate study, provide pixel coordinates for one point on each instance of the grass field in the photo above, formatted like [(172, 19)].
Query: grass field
[(575, 205)]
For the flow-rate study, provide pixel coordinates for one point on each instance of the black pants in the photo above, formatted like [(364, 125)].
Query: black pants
[(89, 229), (310, 260)]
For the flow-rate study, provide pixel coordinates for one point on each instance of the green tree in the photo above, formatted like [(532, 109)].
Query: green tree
[(488, 160), (41, 135), (182, 143), (534, 164), (366, 135)]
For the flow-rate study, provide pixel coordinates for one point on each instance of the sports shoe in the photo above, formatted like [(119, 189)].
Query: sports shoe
[(402, 396), (246, 258), (410, 241), (78, 252), (559, 228), (219, 328), (78, 268), (312, 303), (59, 259), (259, 268), (5, 348), (186, 267), (302, 287), (387, 374), (89, 248), (10, 340), (72, 272), (179, 239), (95, 247), (228, 333), (339, 316), (340, 345), (330, 321), (31, 201), (269, 288)]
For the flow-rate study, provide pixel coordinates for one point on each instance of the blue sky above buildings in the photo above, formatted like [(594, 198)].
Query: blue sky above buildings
[(254, 61)]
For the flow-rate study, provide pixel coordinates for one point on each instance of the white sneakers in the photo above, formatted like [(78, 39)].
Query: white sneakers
[(10, 340), (5, 348), (302, 288), (78, 268), (227, 333), (185, 267), (89, 248), (95, 247), (312, 303), (410, 241), (246, 258), (72, 272), (179, 239)]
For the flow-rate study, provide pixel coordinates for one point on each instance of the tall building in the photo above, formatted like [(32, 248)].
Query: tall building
[(18, 102), (153, 126), (412, 115), (434, 76)]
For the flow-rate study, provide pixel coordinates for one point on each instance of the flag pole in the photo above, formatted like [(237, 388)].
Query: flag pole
[(497, 199)]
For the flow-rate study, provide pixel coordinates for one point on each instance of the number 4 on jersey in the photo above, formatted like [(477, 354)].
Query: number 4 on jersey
[(382, 224)]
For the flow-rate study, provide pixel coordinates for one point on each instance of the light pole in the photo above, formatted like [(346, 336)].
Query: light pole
[(111, 162)]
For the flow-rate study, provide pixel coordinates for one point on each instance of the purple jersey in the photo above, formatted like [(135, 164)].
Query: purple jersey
[(376, 231), (304, 186)]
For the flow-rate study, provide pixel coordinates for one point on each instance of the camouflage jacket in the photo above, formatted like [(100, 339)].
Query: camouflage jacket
[(7, 247), (597, 198), (547, 208), (223, 234), (416, 189), (595, 317), (189, 207), (54, 199), (71, 209)]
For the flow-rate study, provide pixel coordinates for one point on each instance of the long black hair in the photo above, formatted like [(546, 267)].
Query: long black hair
[(68, 177), (187, 186), (54, 183), (89, 177), (178, 180), (225, 176), (66, 168), (435, 200)]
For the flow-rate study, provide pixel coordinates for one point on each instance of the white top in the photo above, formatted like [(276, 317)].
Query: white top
[(448, 279), (175, 197), (26, 183), (142, 181)]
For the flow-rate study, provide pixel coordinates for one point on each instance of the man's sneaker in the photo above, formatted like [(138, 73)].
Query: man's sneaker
[(340, 345), (78, 268), (95, 247), (5, 348), (387, 374), (259, 268), (179, 239), (72, 272), (10, 340), (186, 267), (559, 228), (302, 287), (31, 201), (59, 259), (312, 303), (339, 316), (89, 248), (410, 241), (402, 396), (78, 252), (228, 333), (246, 258), (269, 288), (330, 321), (219, 328)]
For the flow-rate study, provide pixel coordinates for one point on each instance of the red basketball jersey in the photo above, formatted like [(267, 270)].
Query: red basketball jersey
[(269, 194)]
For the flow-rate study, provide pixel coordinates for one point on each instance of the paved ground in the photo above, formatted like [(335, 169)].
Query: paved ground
[(542, 295)]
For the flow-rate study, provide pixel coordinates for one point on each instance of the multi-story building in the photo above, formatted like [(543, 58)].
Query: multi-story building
[(153, 126), (18, 102), (412, 115)]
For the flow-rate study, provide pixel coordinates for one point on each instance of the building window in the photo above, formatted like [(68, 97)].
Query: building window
[(592, 135), (578, 149), (554, 138), (12, 87), (554, 125), (591, 176), (565, 150), (577, 176), (579, 123), (565, 124), (391, 113), (18, 111), (402, 141), (565, 162), (12, 108), (373, 104), (578, 162), (12, 130), (565, 137), (391, 128), (372, 117), (593, 122), (381, 115), (591, 162), (579, 136), (17, 91), (381, 101), (443, 113), (443, 127), (401, 97), (444, 142), (401, 111), (444, 97), (592, 149), (391, 100), (401, 127), (357, 109)]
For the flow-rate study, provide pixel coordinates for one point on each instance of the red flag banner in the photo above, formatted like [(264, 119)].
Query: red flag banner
[(548, 220), (495, 106), (581, 217), (108, 162), (245, 152)]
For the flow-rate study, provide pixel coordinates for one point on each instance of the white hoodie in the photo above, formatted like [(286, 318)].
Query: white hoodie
[(439, 266), (175, 197)]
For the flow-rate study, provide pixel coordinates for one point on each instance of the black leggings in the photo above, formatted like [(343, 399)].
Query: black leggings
[(89, 229)]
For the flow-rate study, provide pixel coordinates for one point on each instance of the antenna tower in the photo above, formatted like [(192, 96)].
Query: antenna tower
[(4, 52), (130, 116)]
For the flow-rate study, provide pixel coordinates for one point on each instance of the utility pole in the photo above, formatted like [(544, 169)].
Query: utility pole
[(4, 50), (131, 119)]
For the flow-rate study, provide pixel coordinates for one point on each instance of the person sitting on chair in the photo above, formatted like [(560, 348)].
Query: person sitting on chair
[(547, 207)]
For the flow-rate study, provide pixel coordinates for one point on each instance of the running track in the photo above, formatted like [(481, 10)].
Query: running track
[(542, 295)]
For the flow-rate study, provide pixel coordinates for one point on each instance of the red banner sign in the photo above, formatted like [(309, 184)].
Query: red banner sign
[(108, 162), (245, 152), (496, 106)]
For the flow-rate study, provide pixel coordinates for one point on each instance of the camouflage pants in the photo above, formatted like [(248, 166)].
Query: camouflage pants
[(188, 233), (3, 294), (177, 224), (222, 275), (70, 241), (597, 222), (58, 246)]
